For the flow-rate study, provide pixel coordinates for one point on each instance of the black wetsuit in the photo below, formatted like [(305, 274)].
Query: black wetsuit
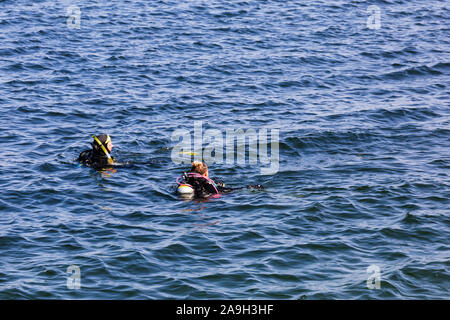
[(204, 187), (94, 159)]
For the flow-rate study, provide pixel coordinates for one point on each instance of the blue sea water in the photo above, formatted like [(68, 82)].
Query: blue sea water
[(363, 113)]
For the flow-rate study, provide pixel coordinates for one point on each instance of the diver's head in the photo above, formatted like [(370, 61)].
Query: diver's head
[(200, 167), (105, 140)]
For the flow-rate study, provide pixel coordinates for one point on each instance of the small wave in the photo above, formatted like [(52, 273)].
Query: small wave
[(402, 114), (410, 73), (320, 139), (391, 54)]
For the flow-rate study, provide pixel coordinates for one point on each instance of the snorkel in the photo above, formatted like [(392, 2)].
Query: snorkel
[(102, 146)]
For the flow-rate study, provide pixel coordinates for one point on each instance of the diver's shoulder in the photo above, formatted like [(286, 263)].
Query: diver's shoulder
[(85, 157), (85, 153)]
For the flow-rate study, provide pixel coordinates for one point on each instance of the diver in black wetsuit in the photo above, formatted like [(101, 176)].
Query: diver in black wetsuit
[(203, 186), (99, 156)]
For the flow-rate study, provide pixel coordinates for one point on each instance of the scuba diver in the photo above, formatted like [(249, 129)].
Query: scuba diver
[(99, 156), (197, 183)]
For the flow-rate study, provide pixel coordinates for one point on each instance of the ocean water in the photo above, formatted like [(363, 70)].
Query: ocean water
[(359, 205)]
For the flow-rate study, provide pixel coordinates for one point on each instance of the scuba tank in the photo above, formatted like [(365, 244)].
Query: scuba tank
[(184, 188)]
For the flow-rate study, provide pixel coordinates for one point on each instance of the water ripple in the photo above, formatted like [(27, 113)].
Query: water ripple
[(363, 168)]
